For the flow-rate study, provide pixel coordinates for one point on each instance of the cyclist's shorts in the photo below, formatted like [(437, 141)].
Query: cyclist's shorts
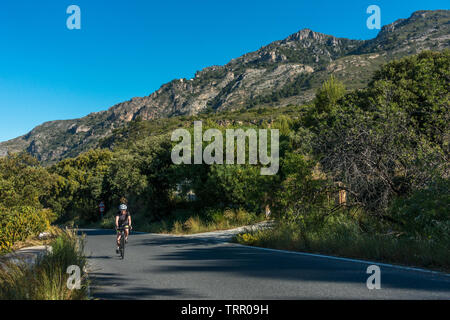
[(124, 226)]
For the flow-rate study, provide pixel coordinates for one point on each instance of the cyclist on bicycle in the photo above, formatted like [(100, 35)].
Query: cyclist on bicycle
[(123, 221)]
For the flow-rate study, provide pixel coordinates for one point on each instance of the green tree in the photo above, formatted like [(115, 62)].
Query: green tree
[(81, 185), (301, 196), (328, 95), (378, 144), (23, 182)]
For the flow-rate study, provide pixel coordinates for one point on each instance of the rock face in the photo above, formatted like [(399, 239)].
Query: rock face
[(291, 69)]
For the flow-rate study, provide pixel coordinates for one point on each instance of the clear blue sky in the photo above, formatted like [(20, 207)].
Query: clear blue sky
[(129, 48)]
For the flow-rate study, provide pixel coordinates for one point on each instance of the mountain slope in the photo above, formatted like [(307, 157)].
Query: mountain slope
[(284, 72)]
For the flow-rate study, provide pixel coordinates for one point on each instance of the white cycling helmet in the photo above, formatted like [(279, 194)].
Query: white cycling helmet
[(123, 207)]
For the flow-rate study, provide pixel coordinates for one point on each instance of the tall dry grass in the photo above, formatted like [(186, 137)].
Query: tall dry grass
[(47, 278)]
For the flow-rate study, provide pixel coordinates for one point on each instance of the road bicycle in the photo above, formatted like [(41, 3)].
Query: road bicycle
[(122, 240)]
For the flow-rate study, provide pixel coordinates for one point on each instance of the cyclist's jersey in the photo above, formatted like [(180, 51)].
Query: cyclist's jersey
[(123, 219)]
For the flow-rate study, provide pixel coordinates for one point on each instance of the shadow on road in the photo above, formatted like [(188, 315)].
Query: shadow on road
[(100, 257), (111, 281), (175, 258), (197, 256), (96, 232)]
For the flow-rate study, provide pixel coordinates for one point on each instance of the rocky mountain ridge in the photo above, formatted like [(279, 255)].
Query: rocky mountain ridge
[(284, 72)]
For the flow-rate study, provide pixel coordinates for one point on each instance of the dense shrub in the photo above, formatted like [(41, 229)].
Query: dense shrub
[(425, 214), (17, 224)]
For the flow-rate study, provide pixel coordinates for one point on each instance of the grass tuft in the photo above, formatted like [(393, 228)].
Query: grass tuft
[(47, 278)]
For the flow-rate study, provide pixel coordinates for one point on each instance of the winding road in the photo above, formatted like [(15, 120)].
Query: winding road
[(208, 267)]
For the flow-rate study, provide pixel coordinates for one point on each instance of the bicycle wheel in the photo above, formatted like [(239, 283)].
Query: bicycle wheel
[(122, 245)]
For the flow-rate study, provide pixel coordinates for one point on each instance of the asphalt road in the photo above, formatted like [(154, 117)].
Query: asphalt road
[(170, 267)]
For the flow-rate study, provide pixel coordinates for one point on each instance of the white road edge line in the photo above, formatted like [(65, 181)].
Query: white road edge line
[(305, 254), (347, 259)]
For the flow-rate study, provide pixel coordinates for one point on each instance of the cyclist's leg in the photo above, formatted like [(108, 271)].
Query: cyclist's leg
[(127, 232), (118, 238), (117, 241)]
